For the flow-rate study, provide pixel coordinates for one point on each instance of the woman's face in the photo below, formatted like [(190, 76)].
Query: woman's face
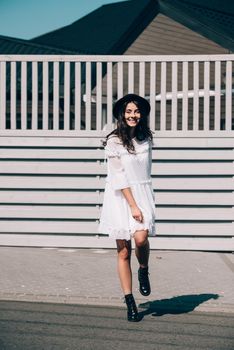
[(132, 114)]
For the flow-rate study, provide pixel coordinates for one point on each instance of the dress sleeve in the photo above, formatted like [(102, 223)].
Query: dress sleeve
[(116, 174)]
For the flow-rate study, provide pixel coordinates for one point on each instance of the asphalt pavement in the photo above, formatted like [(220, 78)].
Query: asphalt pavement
[(181, 281), (45, 326)]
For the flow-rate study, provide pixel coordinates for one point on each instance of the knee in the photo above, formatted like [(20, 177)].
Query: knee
[(124, 254), (141, 240)]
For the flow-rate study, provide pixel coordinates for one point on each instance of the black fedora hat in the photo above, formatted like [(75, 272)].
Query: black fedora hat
[(143, 103)]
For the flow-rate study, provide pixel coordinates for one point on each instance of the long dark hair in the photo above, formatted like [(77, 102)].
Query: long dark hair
[(142, 131)]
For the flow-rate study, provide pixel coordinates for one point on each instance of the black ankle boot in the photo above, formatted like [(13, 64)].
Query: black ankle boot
[(144, 283), (132, 314)]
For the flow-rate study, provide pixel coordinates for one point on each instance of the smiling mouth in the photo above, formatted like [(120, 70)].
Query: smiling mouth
[(132, 119)]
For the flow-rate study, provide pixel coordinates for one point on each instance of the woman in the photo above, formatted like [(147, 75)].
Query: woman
[(128, 205)]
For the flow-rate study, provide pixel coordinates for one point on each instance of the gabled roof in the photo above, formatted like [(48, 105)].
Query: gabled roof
[(212, 19), (108, 30), (14, 46), (112, 28)]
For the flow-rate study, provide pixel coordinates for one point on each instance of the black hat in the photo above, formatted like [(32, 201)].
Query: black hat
[(144, 104)]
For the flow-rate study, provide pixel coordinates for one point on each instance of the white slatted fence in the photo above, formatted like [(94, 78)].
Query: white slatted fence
[(51, 192), (67, 93)]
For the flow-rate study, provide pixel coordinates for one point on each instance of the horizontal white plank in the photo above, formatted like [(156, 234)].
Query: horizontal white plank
[(95, 141), (97, 168), (92, 212), (194, 198), (49, 212), (91, 227), (157, 154), (115, 58), (158, 243), (76, 182), (96, 197), (94, 133), (51, 197)]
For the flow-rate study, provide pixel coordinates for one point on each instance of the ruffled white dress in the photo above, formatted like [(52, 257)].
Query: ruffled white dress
[(127, 170)]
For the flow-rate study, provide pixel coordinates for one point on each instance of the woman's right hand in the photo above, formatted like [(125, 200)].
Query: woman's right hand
[(137, 214)]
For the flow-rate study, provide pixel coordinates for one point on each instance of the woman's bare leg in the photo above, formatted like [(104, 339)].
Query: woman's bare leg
[(142, 254), (124, 265), (142, 247)]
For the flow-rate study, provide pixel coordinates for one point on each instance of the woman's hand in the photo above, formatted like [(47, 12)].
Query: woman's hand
[(137, 214)]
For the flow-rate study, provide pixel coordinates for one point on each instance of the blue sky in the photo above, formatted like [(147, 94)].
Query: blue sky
[(27, 19)]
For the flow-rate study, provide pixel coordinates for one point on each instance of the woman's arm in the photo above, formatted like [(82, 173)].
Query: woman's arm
[(136, 212)]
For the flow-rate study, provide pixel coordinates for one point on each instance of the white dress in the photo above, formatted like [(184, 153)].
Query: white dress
[(127, 170)]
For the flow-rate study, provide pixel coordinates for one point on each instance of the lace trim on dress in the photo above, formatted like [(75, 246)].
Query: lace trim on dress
[(117, 233)]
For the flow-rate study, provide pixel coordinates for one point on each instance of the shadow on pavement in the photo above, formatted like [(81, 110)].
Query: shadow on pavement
[(176, 305)]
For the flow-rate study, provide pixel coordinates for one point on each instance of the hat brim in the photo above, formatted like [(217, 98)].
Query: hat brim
[(144, 104)]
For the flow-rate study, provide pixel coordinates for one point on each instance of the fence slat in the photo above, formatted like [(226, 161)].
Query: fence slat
[(56, 96), (13, 96), (163, 96), (24, 95), (3, 95), (185, 97), (130, 77), (34, 95), (120, 80), (45, 94), (206, 117), (99, 96), (228, 102), (195, 97), (174, 96), (109, 94), (88, 96), (77, 122), (66, 95), (152, 95), (217, 110), (142, 79)]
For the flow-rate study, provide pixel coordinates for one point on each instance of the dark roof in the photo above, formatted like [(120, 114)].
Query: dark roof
[(14, 46), (108, 30), (212, 19), (112, 28)]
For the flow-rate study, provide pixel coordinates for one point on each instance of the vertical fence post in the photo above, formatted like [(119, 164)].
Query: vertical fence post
[(206, 96), (13, 96), (109, 94), (34, 95), (23, 95), (77, 93), (120, 80), (195, 96), (228, 101), (163, 96), (185, 97), (130, 77), (99, 96), (56, 96), (66, 95), (174, 95), (217, 110), (142, 79), (45, 96), (88, 96), (3, 95), (152, 94)]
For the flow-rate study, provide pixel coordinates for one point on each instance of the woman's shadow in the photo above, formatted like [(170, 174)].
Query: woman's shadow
[(176, 305)]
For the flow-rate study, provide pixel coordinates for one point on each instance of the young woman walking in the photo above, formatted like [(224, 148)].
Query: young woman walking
[(128, 209)]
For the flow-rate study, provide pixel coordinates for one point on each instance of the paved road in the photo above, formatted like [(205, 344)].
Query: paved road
[(38, 326)]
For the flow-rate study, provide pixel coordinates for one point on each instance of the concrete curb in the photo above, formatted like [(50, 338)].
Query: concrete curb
[(112, 302)]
